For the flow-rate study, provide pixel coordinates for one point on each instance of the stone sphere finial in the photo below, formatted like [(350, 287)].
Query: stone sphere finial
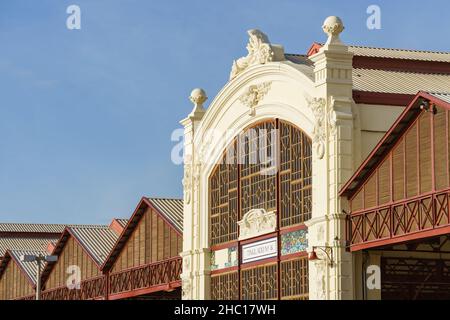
[(198, 97), (333, 26)]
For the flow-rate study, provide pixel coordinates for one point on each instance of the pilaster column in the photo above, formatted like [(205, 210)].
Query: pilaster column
[(192, 167), (332, 165)]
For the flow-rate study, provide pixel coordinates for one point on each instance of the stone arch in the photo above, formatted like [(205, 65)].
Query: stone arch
[(287, 98)]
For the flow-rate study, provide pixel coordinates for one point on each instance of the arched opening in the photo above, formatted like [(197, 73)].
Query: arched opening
[(265, 173)]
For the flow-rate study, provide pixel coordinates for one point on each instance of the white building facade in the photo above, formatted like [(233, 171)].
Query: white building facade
[(264, 165)]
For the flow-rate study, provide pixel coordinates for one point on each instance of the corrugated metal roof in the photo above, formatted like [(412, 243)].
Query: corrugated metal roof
[(32, 227), (97, 240), (400, 54), (441, 95), (172, 209), (398, 82), (122, 222), (30, 268), (24, 243), (388, 141), (35, 227)]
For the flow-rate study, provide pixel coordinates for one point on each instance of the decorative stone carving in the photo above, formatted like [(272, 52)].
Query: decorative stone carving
[(333, 26), (186, 288), (187, 263), (257, 222), (198, 97), (317, 106), (187, 183), (260, 51), (196, 175), (320, 233), (253, 95), (332, 120), (320, 280)]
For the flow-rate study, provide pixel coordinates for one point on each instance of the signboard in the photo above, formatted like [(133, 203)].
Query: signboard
[(267, 248)]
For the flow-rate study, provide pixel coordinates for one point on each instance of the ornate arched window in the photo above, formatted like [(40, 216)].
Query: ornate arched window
[(263, 182)]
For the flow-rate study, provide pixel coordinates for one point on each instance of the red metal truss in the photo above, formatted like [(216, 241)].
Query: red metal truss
[(162, 275), (393, 203), (90, 289), (420, 217)]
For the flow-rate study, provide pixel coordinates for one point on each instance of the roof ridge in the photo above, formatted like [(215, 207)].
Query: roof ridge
[(439, 92), (94, 226), (402, 71), (163, 198), (25, 250), (32, 223), (399, 49)]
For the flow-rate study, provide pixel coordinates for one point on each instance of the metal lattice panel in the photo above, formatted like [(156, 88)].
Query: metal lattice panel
[(294, 279), (415, 279), (260, 283), (225, 286), (224, 199), (249, 185)]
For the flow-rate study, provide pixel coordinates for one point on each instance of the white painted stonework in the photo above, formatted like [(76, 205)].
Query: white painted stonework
[(257, 222), (264, 85)]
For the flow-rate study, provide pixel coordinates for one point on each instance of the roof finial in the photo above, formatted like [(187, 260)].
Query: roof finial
[(333, 26), (198, 97)]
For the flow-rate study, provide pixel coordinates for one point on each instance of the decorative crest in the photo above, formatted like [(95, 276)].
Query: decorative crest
[(257, 222), (260, 51)]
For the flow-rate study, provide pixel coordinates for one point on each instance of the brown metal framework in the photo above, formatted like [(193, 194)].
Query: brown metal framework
[(240, 183), (415, 279), (401, 192), (161, 275)]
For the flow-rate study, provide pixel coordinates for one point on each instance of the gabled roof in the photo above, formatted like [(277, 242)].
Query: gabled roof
[(385, 145), (405, 54), (170, 210), (122, 222), (96, 241), (36, 227), (391, 76), (28, 268), (390, 53), (31, 228), (25, 243), (398, 82)]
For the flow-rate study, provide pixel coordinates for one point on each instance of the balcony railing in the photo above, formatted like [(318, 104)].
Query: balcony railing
[(414, 218), (144, 277), (132, 281), (89, 289)]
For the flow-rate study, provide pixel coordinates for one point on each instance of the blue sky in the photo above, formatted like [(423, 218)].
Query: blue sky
[(86, 115)]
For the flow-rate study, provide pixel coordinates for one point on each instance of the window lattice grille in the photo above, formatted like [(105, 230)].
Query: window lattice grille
[(258, 190), (224, 199), (260, 283), (225, 287), (294, 279), (295, 176)]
